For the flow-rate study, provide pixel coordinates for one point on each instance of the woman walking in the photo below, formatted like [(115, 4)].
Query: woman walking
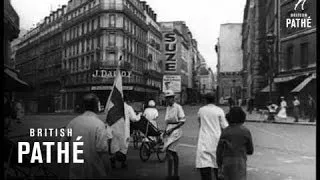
[(234, 145), (283, 109), (174, 119)]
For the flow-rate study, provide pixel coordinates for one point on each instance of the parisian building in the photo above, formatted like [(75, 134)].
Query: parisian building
[(296, 74), (95, 32), (178, 58), (39, 61), (230, 65), (290, 55)]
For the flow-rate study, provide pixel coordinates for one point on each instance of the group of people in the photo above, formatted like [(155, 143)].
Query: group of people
[(223, 141), (281, 111)]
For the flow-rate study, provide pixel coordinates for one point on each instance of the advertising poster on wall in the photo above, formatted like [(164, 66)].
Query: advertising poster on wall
[(171, 82)]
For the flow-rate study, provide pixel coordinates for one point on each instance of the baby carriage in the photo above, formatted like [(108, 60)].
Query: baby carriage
[(152, 141), (25, 170)]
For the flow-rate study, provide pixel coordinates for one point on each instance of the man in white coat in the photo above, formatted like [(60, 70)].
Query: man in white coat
[(94, 135), (211, 121)]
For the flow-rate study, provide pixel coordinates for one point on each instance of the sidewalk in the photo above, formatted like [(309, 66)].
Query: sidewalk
[(260, 117)]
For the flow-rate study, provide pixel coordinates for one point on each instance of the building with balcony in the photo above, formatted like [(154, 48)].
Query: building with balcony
[(154, 51), (39, 61), (178, 56), (95, 32), (230, 65)]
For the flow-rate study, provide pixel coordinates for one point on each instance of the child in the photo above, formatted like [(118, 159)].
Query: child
[(234, 145)]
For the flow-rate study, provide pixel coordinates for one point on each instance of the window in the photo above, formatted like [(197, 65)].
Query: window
[(112, 39), (92, 24), (83, 28), (89, 26), (304, 55), (289, 57), (112, 20)]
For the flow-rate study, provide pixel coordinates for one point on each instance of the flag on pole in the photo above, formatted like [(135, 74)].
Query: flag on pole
[(115, 105)]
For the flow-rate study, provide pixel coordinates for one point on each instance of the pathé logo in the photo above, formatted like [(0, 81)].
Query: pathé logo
[(300, 2)]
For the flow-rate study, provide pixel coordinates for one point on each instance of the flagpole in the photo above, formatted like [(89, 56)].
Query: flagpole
[(114, 84)]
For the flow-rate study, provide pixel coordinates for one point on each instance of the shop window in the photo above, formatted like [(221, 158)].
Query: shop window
[(289, 57)]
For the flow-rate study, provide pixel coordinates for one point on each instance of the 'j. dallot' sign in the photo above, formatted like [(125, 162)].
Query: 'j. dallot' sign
[(110, 73)]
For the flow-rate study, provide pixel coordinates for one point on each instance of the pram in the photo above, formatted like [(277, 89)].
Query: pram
[(149, 144), (25, 170)]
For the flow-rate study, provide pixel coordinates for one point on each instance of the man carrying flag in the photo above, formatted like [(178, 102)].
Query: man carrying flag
[(118, 118)]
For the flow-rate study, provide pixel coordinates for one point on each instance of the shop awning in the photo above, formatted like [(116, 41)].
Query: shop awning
[(267, 88), (303, 83), (284, 79), (12, 82)]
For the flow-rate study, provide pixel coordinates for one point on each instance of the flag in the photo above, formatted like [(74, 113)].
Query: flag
[(115, 105)]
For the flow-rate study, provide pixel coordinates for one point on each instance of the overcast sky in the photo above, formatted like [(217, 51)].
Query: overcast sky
[(203, 17)]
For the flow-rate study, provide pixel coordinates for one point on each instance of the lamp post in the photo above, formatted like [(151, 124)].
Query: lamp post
[(270, 41)]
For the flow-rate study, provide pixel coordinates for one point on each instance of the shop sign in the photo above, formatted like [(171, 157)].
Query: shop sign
[(104, 88), (170, 50), (110, 73)]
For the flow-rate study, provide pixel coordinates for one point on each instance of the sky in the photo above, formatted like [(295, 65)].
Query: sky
[(203, 17)]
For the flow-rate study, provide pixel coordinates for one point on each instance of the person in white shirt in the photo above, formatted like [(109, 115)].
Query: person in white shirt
[(174, 119), (211, 121), (151, 113), (283, 109), (95, 136)]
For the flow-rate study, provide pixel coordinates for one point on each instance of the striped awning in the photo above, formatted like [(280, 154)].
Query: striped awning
[(303, 83)]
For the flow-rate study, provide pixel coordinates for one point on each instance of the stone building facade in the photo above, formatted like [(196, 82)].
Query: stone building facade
[(298, 58), (39, 61), (255, 56), (229, 67)]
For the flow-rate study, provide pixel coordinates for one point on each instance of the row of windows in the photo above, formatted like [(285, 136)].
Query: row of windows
[(109, 40), (304, 57), (82, 46), (83, 9), (134, 10), (81, 29), (79, 64)]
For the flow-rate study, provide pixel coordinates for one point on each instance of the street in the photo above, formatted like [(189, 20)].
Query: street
[(282, 151)]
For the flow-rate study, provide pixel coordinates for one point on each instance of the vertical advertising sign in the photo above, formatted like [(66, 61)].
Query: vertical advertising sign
[(170, 51), (172, 82)]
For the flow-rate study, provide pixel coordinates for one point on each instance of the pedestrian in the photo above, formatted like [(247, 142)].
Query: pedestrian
[(119, 145), (19, 111), (94, 137), (311, 108), (240, 102), (296, 108), (272, 109), (250, 105), (283, 109), (231, 102), (234, 145), (212, 120), (151, 113), (174, 119)]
